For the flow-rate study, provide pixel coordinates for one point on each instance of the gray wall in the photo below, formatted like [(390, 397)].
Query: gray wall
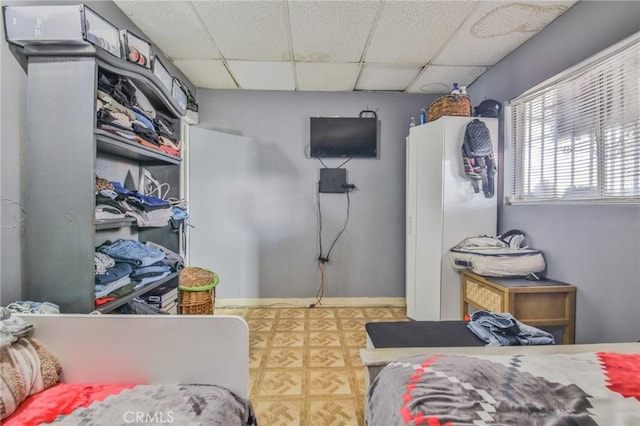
[(594, 247), (368, 260), (12, 134)]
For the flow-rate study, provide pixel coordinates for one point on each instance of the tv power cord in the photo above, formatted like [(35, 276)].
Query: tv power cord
[(325, 259)]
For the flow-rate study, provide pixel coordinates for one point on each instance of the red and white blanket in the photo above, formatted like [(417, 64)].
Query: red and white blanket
[(595, 388), (86, 404)]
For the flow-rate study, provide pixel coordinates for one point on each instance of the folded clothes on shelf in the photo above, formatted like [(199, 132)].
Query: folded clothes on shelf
[(117, 271), (131, 251), (174, 260), (102, 290)]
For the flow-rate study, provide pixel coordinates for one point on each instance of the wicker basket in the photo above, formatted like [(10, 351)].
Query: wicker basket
[(450, 105), (197, 291)]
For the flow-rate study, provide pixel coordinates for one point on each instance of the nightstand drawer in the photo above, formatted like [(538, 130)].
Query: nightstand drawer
[(541, 306), (483, 296)]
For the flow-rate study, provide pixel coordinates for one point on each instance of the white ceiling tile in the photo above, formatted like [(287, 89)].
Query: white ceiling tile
[(173, 26), (207, 74), (263, 75), (439, 79), (496, 28), (325, 31), (412, 32), (315, 76), (386, 77), (256, 30), (259, 37)]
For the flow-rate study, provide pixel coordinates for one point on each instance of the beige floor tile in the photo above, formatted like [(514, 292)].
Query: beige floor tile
[(323, 324), (262, 313), (279, 412), (254, 379), (333, 413), (255, 357), (290, 325), (293, 313), (359, 379), (326, 357), (378, 313), (258, 339), (260, 325), (322, 313), (355, 338), (350, 312), (284, 358), (328, 382), (288, 339), (399, 312), (352, 324), (354, 357), (280, 382), (324, 338)]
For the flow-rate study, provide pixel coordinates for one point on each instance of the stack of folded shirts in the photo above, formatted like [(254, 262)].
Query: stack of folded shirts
[(148, 274), (167, 134), (149, 211), (131, 251), (110, 276)]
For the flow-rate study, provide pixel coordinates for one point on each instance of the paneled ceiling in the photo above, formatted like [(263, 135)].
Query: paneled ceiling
[(341, 46)]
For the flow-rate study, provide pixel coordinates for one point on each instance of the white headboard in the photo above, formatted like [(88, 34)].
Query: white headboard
[(139, 349)]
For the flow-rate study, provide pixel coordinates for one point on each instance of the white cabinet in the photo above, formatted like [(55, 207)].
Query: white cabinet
[(442, 210)]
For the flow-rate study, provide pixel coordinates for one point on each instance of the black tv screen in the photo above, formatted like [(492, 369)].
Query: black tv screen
[(344, 137)]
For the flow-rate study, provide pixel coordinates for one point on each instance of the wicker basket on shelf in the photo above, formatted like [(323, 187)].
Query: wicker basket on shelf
[(449, 105), (197, 291)]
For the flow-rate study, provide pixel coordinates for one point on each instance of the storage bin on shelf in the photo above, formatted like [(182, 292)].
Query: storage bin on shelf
[(449, 105), (197, 291)]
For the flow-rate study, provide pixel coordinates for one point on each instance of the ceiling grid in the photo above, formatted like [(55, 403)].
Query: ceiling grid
[(290, 40), (223, 60), (420, 46)]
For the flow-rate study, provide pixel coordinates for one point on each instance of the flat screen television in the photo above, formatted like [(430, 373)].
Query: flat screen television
[(344, 137)]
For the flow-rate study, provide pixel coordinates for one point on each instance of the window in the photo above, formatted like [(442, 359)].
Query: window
[(576, 137)]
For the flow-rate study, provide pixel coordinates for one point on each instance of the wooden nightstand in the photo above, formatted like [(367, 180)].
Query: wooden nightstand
[(537, 303)]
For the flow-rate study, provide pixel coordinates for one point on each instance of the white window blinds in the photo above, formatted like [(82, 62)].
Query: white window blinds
[(576, 137)]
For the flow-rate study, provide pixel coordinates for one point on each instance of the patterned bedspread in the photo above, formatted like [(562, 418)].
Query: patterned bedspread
[(572, 389), (98, 405)]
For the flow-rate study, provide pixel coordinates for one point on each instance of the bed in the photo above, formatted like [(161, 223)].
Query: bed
[(533, 385), (150, 369)]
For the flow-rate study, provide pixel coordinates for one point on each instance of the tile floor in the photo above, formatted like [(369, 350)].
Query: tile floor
[(304, 366)]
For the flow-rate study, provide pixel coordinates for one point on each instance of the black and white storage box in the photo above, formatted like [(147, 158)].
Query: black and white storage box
[(60, 24), (178, 93), (163, 75), (136, 50)]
